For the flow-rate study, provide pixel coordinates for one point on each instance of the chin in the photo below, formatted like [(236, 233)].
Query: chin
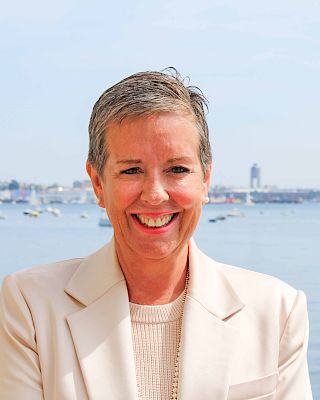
[(157, 250)]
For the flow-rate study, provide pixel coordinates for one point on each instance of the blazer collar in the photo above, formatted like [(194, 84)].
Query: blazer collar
[(209, 286), (95, 275)]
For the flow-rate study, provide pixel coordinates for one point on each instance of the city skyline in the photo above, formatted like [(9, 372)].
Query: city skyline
[(258, 65), (78, 183)]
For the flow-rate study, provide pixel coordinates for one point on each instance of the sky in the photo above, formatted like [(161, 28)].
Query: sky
[(258, 64)]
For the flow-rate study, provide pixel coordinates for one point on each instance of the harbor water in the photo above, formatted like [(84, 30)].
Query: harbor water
[(276, 239)]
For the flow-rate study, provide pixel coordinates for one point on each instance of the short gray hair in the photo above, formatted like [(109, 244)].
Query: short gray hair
[(145, 94)]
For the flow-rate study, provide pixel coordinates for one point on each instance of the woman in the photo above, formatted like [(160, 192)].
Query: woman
[(149, 316)]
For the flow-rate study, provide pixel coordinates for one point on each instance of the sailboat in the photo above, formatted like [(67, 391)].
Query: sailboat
[(34, 202), (249, 201)]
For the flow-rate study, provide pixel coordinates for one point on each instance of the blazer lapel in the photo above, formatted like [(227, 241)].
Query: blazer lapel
[(101, 330), (209, 343)]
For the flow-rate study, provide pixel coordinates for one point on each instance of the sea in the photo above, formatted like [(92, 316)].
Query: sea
[(282, 240)]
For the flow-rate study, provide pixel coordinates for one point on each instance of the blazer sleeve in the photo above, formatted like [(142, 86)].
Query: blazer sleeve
[(294, 382), (20, 375)]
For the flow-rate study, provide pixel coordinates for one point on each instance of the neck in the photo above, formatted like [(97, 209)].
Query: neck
[(154, 282)]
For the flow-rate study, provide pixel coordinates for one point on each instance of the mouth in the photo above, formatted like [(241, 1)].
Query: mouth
[(155, 222)]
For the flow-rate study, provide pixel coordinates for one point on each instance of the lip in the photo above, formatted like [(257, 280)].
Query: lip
[(154, 231), (154, 214)]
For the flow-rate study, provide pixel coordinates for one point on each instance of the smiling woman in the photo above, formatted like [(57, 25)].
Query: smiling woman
[(149, 316)]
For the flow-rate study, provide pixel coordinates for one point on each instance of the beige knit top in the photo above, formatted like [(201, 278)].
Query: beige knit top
[(155, 334)]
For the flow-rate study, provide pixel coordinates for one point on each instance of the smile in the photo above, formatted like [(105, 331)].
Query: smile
[(157, 222)]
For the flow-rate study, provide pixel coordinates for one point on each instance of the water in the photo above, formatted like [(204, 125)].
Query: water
[(279, 240)]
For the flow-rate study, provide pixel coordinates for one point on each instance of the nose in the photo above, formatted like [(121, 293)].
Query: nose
[(154, 191)]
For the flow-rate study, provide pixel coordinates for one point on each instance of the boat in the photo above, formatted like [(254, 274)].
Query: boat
[(104, 221), (2, 216), (56, 212), (249, 201), (34, 201), (221, 217), (34, 214), (84, 215), (235, 213), (27, 211)]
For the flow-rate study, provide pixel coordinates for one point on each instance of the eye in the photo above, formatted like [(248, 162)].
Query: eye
[(131, 171), (179, 170)]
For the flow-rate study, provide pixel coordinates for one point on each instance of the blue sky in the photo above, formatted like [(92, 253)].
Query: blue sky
[(257, 62)]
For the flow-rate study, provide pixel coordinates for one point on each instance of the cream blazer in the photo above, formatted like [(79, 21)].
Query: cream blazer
[(65, 334)]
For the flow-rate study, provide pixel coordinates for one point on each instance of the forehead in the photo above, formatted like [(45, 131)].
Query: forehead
[(144, 133)]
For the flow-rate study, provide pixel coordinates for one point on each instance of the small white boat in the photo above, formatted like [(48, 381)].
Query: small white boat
[(235, 213), (84, 215), (56, 212), (2, 216), (34, 214), (249, 201), (104, 221), (31, 213)]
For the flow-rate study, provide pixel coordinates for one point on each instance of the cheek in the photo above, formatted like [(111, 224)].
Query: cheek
[(122, 195), (188, 195)]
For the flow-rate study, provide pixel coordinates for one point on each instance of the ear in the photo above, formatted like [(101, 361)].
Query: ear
[(206, 181), (96, 181)]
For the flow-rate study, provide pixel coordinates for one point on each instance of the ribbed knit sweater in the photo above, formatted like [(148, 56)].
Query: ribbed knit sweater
[(155, 334)]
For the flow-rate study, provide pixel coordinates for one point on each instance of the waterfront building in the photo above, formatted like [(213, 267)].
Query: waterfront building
[(255, 177)]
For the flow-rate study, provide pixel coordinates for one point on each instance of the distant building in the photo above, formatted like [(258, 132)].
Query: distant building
[(255, 177), (84, 185), (77, 185)]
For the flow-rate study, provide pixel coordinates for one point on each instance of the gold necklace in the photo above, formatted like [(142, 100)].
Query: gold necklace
[(175, 380)]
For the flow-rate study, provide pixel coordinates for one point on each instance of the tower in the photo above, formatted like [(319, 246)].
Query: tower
[(255, 176)]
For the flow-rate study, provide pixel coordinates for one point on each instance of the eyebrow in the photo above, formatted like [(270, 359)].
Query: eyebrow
[(179, 159), (138, 161), (131, 161)]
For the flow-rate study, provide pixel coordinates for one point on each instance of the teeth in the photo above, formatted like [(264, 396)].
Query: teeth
[(155, 223)]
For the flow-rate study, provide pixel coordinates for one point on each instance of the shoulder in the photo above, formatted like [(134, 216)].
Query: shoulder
[(50, 283), (261, 292), (36, 295), (258, 291), (245, 279), (269, 303), (42, 277)]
